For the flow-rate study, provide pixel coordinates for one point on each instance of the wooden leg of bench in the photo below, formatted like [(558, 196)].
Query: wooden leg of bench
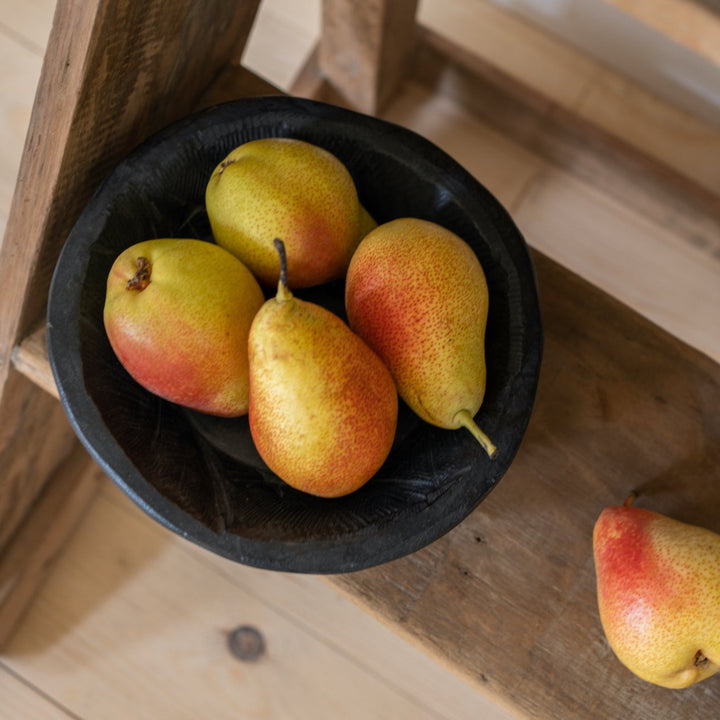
[(365, 47)]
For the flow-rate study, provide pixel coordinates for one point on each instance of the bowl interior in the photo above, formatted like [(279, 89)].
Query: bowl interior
[(201, 476)]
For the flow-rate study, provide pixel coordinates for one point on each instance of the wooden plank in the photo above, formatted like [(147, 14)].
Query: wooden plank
[(30, 358), (568, 136), (642, 119), (365, 48), (694, 25), (37, 543), (566, 78), (507, 599), (500, 163), (598, 236), (20, 700), (616, 163), (521, 50)]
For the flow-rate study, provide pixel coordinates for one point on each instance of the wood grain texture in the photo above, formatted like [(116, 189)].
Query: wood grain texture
[(693, 24), (20, 62), (36, 545), (21, 700), (365, 48), (508, 598), (585, 219), (502, 39)]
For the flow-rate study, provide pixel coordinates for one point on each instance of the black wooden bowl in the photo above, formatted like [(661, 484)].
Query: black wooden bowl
[(200, 476)]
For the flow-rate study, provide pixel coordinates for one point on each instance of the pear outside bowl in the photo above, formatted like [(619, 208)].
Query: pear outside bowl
[(201, 476)]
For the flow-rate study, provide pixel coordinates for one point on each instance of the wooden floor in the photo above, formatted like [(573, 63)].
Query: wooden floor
[(133, 621)]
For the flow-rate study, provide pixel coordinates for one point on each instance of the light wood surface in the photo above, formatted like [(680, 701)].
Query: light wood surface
[(133, 621), (655, 43), (694, 24), (135, 624)]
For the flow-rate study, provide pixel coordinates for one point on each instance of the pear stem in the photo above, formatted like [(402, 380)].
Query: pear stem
[(283, 291), (464, 418), (630, 499)]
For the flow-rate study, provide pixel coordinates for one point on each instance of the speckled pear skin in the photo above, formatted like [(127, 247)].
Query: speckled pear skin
[(294, 190), (184, 335), (323, 406), (658, 588), (417, 294)]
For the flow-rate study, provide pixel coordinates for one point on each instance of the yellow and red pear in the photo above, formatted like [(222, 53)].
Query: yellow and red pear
[(323, 406), (292, 189), (658, 588), (417, 294), (177, 314)]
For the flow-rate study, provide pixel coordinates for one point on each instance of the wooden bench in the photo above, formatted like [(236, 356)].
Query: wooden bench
[(507, 598)]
